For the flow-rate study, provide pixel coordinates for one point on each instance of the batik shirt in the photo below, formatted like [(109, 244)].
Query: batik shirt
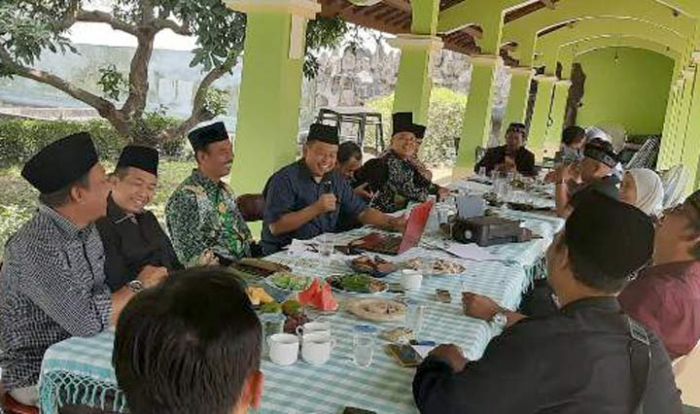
[(202, 216), (52, 287), (404, 184)]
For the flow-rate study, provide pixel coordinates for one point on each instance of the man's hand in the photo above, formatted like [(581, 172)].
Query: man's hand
[(326, 203), (152, 276), (397, 224), (363, 192), (452, 354), (478, 306)]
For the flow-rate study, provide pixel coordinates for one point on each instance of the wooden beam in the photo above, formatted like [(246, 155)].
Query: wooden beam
[(549, 4)]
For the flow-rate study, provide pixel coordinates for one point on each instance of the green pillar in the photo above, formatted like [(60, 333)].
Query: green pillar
[(691, 148), (684, 114), (476, 128), (519, 96), (270, 94), (541, 114), (558, 115), (668, 142), (415, 74)]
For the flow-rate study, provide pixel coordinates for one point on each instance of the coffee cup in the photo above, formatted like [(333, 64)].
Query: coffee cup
[(316, 347), (411, 280), (284, 348), (316, 326)]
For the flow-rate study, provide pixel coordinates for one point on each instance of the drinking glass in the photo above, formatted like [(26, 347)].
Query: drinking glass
[(325, 247), (482, 172), (272, 323), (363, 345), (415, 315)]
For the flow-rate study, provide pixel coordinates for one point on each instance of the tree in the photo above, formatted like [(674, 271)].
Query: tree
[(29, 27)]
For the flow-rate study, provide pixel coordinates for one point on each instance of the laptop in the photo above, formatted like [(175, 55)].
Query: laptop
[(394, 245)]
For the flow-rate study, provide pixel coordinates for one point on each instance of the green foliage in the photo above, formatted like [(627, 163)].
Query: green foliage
[(18, 199), (20, 139), (444, 125), (217, 101), (27, 27), (112, 82)]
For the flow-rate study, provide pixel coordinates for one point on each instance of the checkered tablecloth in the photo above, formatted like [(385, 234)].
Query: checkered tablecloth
[(79, 370)]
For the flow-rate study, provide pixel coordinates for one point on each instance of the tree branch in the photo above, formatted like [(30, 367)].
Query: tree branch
[(105, 108), (95, 16), (138, 76), (183, 29), (199, 112)]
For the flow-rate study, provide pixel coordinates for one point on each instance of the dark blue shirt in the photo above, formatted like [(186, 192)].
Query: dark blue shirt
[(292, 189)]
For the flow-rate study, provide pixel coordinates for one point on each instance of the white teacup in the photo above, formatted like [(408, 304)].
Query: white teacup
[(316, 326), (411, 280), (316, 347), (284, 348)]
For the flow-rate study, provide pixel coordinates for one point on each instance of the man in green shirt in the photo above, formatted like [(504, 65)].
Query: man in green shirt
[(202, 216)]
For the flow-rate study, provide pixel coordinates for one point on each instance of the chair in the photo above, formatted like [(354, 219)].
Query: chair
[(675, 183), (251, 206), (686, 369), (12, 406)]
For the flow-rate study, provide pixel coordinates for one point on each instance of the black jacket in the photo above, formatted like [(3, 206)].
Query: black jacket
[(574, 362), (524, 160)]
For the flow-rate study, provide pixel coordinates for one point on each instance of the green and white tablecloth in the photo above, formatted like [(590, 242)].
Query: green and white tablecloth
[(79, 371)]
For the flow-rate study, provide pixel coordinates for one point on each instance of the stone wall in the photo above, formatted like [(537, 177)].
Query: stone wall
[(352, 77)]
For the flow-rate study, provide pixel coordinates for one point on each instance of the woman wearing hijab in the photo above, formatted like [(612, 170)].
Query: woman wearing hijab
[(643, 189)]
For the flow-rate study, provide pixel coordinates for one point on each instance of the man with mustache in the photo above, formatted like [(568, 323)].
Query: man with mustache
[(202, 216), (306, 198)]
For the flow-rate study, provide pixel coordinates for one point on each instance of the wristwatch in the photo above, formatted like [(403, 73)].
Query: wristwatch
[(500, 320), (135, 286)]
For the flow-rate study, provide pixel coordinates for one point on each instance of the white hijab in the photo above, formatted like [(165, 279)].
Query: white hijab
[(650, 191)]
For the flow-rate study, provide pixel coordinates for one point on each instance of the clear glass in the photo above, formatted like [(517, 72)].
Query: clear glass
[(363, 346), (415, 316), (272, 323), (325, 247), (482, 172)]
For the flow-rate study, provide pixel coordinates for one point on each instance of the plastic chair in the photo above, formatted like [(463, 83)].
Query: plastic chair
[(251, 206), (12, 406), (686, 369), (675, 183)]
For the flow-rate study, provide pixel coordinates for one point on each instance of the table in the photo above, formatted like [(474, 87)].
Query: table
[(385, 387)]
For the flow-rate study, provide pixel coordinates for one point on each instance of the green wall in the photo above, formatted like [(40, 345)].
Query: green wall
[(632, 92)]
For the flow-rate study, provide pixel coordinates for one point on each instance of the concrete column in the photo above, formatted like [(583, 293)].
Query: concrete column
[(415, 74), (541, 117), (476, 128), (558, 115), (270, 94), (520, 82)]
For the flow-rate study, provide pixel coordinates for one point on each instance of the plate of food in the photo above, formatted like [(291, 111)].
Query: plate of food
[(377, 310), (375, 266), (436, 266), (289, 281), (357, 283)]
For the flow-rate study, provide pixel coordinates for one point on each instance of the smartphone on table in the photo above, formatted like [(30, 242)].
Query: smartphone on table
[(404, 354)]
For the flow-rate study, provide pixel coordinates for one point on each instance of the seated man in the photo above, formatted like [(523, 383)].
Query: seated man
[(407, 179), (132, 236), (52, 284), (192, 346), (512, 157), (202, 215), (596, 172), (588, 358), (573, 140), (666, 296), (305, 198)]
